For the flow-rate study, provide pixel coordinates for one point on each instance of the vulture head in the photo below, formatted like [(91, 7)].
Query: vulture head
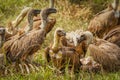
[(87, 37), (57, 35), (2, 36), (44, 18), (60, 32), (46, 12)]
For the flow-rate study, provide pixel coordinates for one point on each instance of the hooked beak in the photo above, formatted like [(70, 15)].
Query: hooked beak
[(81, 39), (64, 33), (53, 11)]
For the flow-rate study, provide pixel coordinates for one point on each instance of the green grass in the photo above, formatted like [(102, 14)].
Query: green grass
[(70, 16)]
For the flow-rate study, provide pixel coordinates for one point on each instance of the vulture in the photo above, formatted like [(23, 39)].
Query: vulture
[(34, 20), (13, 25), (20, 48), (113, 36), (101, 52), (61, 55), (105, 20), (72, 40)]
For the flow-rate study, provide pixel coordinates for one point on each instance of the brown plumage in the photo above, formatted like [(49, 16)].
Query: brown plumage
[(34, 20), (12, 27), (113, 36), (103, 52), (72, 40), (33, 13), (105, 21), (62, 55), (21, 47), (107, 54)]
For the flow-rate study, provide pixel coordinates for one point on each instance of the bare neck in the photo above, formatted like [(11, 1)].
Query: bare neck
[(44, 21), (56, 42)]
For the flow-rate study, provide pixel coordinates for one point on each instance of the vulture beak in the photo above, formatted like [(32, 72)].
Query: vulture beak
[(82, 38), (53, 10), (36, 12), (64, 33)]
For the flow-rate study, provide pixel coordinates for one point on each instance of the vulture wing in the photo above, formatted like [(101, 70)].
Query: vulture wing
[(107, 54), (113, 36), (23, 45), (103, 23)]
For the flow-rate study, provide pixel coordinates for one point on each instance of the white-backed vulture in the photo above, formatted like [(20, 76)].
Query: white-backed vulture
[(61, 55), (72, 40), (113, 36), (103, 52), (18, 49), (105, 21), (34, 20)]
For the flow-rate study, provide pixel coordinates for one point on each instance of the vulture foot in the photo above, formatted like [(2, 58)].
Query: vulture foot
[(24, 68), (33, 67)]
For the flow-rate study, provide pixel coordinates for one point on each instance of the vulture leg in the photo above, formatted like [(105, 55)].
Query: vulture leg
[(31, 66), (21, 68), (27, 68)]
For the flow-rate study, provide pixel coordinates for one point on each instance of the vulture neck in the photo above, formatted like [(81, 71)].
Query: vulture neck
[(56, 42), (44, 21)]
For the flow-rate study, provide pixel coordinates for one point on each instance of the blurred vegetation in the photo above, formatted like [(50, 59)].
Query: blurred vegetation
[(71, 15), (10, 8)]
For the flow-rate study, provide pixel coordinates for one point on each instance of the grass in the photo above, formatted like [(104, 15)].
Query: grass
[(71, 15)]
